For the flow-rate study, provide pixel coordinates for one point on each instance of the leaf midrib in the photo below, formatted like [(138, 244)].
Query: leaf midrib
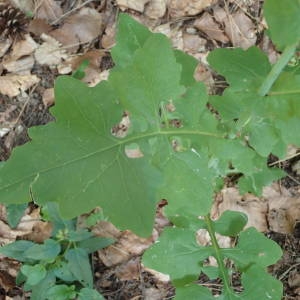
[(118, 144)]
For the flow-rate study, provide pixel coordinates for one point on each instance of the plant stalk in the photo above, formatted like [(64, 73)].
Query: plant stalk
[(277, 68), (219, 257)]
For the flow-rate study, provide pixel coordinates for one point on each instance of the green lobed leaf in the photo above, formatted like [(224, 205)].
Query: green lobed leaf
[(177, 254), (79, 265), (256, 281), (17, 249), (283, 21), (47, 251), (253, 248), (95, 243), (34, 274), (39, 291), (62, 272), (15, 213), (230, 223), (61, 292)]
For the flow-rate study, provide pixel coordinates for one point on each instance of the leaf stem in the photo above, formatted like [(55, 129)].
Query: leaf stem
[(218, 255), (277, 68)]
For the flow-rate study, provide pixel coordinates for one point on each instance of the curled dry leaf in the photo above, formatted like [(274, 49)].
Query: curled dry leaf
[(207, 25), (50, 52), (238, 27), (23, 47), (80, 28), (156, 9), (255, 208), (38, 27), (48, 10), (12, 85), (20, 66), (181, 8), (193, 44), (137, 5)]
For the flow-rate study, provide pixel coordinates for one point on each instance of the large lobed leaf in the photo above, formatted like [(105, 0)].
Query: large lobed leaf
[(174, 147)]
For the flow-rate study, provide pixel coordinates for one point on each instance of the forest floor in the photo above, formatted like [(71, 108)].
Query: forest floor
[(57, 38)]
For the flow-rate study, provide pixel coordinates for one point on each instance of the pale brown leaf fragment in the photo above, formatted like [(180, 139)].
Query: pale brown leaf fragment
[(38, 27), (156, 9), (48, 10), (50, 52), (181, 8), (23, 47), (21, 66), (137, 5), (207, 25), (12, 85), (80, 28)]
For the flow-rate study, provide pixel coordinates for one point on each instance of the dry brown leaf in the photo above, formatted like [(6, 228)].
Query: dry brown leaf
[(48, 97), (181, 8), (203, 74), (256, 209), (240, 30), (284, 209), (156, 9), (48, 10), (108, 39), (23, 47), (50, 52), (12, 85), (129, 270), (38, 27), (137, 5), (207, 25), (20, 66), (127, 246), (80, 28), (193, 44)]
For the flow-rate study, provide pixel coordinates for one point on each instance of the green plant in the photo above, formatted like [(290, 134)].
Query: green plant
[(147, 133), (59, 268)]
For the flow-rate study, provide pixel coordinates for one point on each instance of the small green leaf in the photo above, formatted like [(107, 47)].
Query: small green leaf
[(95, 243), (34, 274), (61, 292), (17, 249), (193, 292), (283, 21), (15, 213), (177, 253), (39, 291), (79, 235), (230, 223), (211, 272), (79, 265), (245, 70), (47, 251), (79, 72), (90, 294), (62, 272), (254, 248)]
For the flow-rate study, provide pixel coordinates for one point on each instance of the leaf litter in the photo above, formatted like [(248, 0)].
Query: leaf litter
[(59, 38)]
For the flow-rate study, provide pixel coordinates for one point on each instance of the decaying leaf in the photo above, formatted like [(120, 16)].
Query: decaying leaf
[(156, 9), (207, 25), (50, 52), (20, 66), (12, 85), (181, 8), (80, 28), (48, 10), (137, 5)]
